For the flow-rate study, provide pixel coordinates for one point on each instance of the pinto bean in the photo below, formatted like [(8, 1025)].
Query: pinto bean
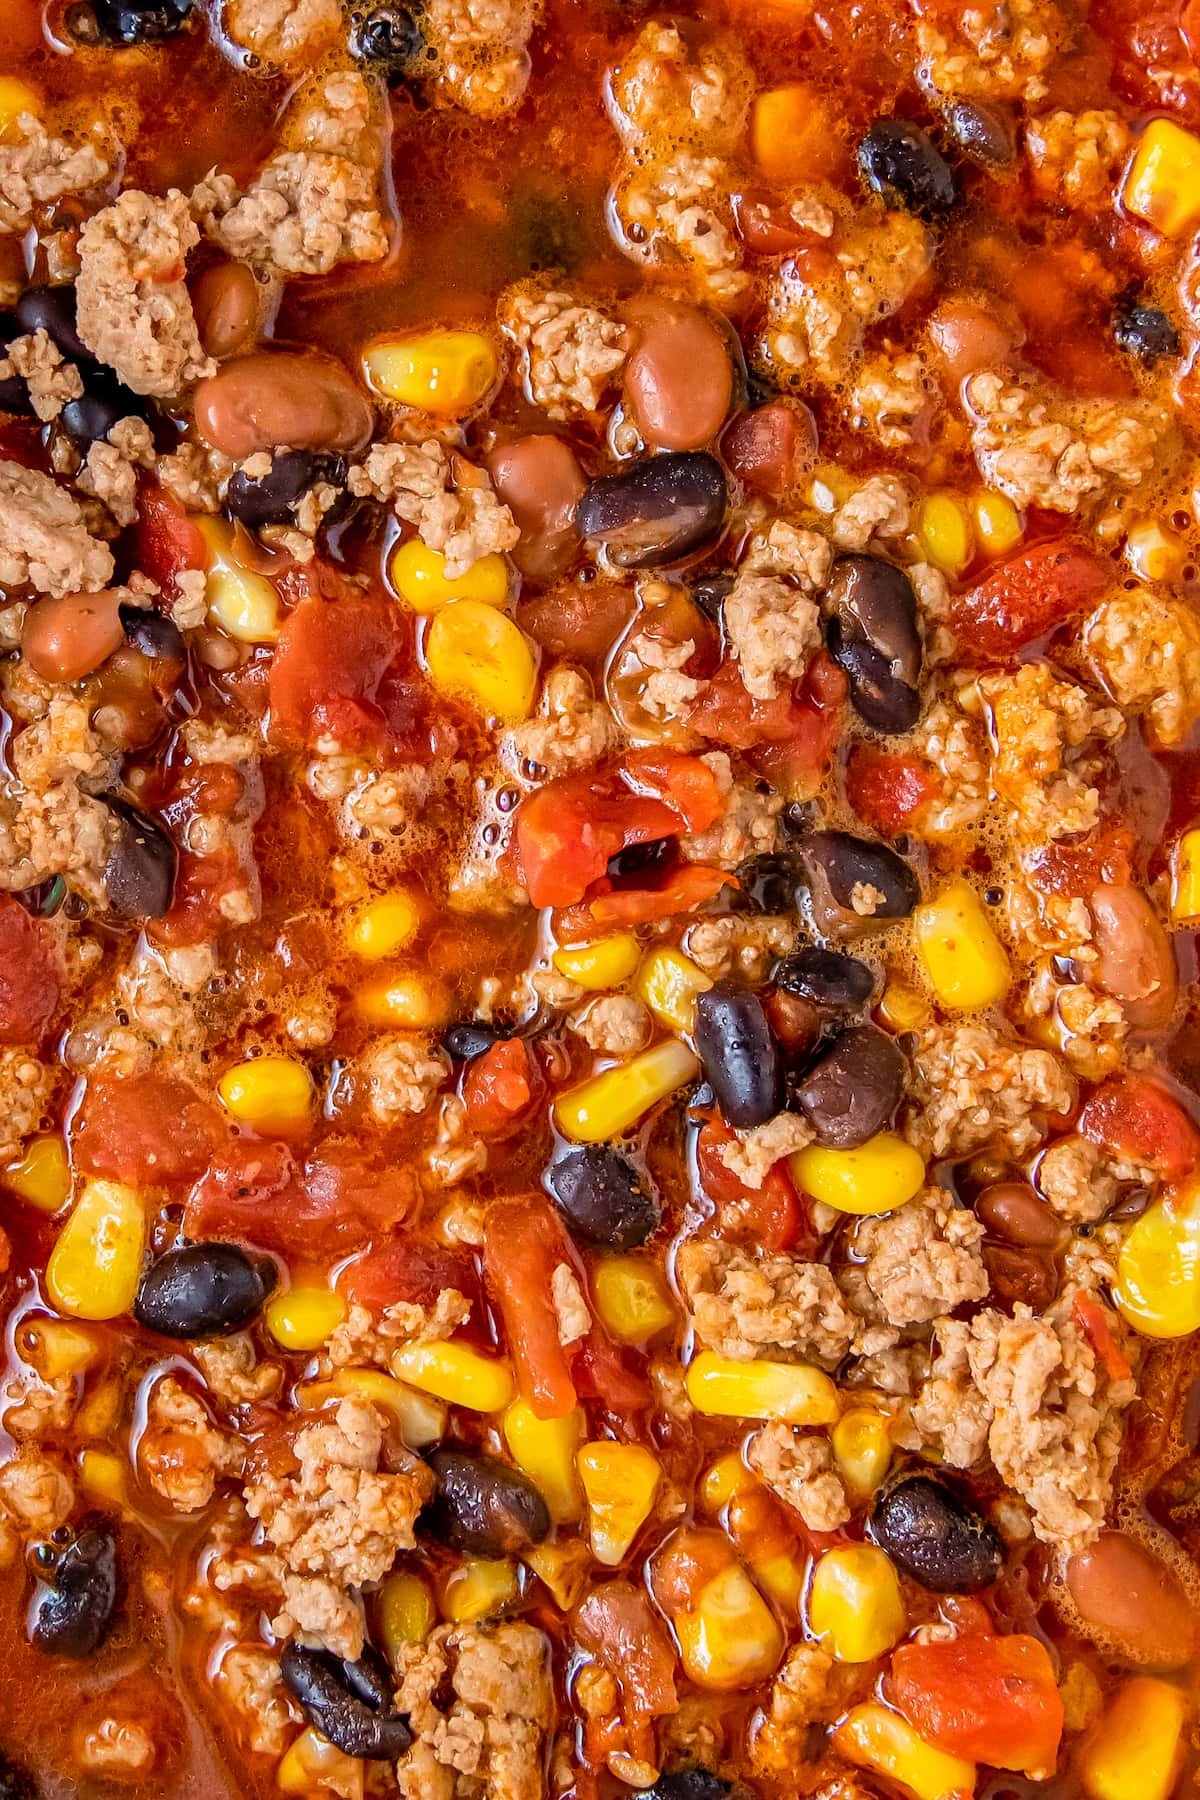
[(1012, 1211), (290, 398), (541, 483), (1021, 1277), (227, 302), (769, 447), (967, 336), (66, 636), (679, 378), (1132, 1602), (1137, 962)]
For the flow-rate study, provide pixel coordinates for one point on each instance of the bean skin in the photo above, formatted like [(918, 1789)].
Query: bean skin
[(740, 1057), (679, 377), (484, 1507), (67, 636), (203, 1290), (1132, 1602), (273, 398)]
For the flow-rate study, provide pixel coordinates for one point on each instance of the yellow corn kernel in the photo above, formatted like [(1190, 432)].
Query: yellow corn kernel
[(384, 926), (605, 964), (406, 1002), (944, 531), (478, 1589), (96, 1419), (565, 1568), (56, 1348), (313, 1762), (95, 1266), (455, 1373), (879, 1176), (406, 1613), (855, 1604), (731, 1638), (1185, 883), (442, 372), (723, 1480), (16, 98), (997, 522), (272, 1094), (103, 1478), (965, 961), (1154, 554), (42, 1178), (1157, 1289), (873, 1737), (902, 1008), (631, 1298), (611, 1104), (302, 1318), (476, 654), (241, 601), (790, 135), (1137, 1746), (545, 1449), (421, 1420), (418, 575), (793, 1392), (862, 1446), (1163, 183), (620, 1482), (668, 983)]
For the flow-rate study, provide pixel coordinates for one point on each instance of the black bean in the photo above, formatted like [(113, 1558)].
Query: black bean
[(632, 866), (45, 898), (900, 162), (693, 1784), (769, 883), (983, 132), (483, 1507), (141, 21), (104, 400), (739, 1053), (876, 695), (853, 1089), (14, 392), (710, 593), (73, 1610), (467, 1041), (828, 978), (203, 1290), (15, 1782), (842, 868), (350, 1703), (52, 310), (604, 1198), (272, 499), (140, 872), (1145, 331), (658, 511), (873, 632), (936, 1535), (153, 633), (387, 37)]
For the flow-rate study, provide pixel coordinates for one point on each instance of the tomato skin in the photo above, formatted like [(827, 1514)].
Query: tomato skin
[(1133, 1116), (684, 890), (1025, 596), (1103, 857), (523, 1243), (988, 1699), (889, 792), (603, 1372), (773, 1215), (146, 1129), (499, 1087), (339, 1201), (683, 782), (328, 671), (1093, 1321), (167, 541), (29, 979), (407, 1270)]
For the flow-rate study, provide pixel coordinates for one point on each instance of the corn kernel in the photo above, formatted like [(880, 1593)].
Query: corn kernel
[(668, 983), (1137, 1746), (620, 1482), (1157, 1289), (731, 1638), (418, 575), (998, 524), (103, 1478), (631, 1298), (873, 1737), (1163, 183), (723, 1480), (16, 98), (42, 1178), (384, 926), (790, 135), (406, 1613), (405, 1002), (313, 1762), (565, 1568), (442, 372), (476, 654), (1154, 554), (793, 1392), (862, 1447), (478, 1589), (605, 964), (545, 1449), (56, 1348), (455, 1373), (96, 1419), (272, 1094), (612, 1103), (965, 961), (877, 1177), (241, 601), (302, 1318), (855, 1605), (421, 1420), (1185, 883), (902, 1008), (944, 531), (96, 1264), (762, 1530)]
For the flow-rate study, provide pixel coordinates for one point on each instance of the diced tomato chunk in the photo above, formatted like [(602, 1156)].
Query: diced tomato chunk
[(1133, 1116), (889, 792), (1093, 1321), (791, 737), (341, 1199), (683, 782), (1025, 596), (684, 889), (617, 1624), (168, 541), (499, 1087), (328, 671), (150, 1128), (523, 1244), (1103, 857), (772, 1215), (606, 1372), (988, 1699), (407, 1271), (29, 979)]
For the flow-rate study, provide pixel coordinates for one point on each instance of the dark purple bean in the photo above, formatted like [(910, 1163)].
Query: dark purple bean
[(883, 702), (694, 1784), (52, 310), (710, 593), (936, 1535), (466, 1041), (901, 164), (984, 132), (604, 1198), (140, 872), (389, 39), (484, 1507), (153, 633), (1144, 331), (841, 869), (739, 1053), (769, 883), (873, 633), (350, 1703), (854, 1088), (15, 1782), (828, 978), (203, 1290), (45, 898), (272, 499), (14, 393), (103, 402), (73, 1609), (141, 21), (633, 866), (657, 511)]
